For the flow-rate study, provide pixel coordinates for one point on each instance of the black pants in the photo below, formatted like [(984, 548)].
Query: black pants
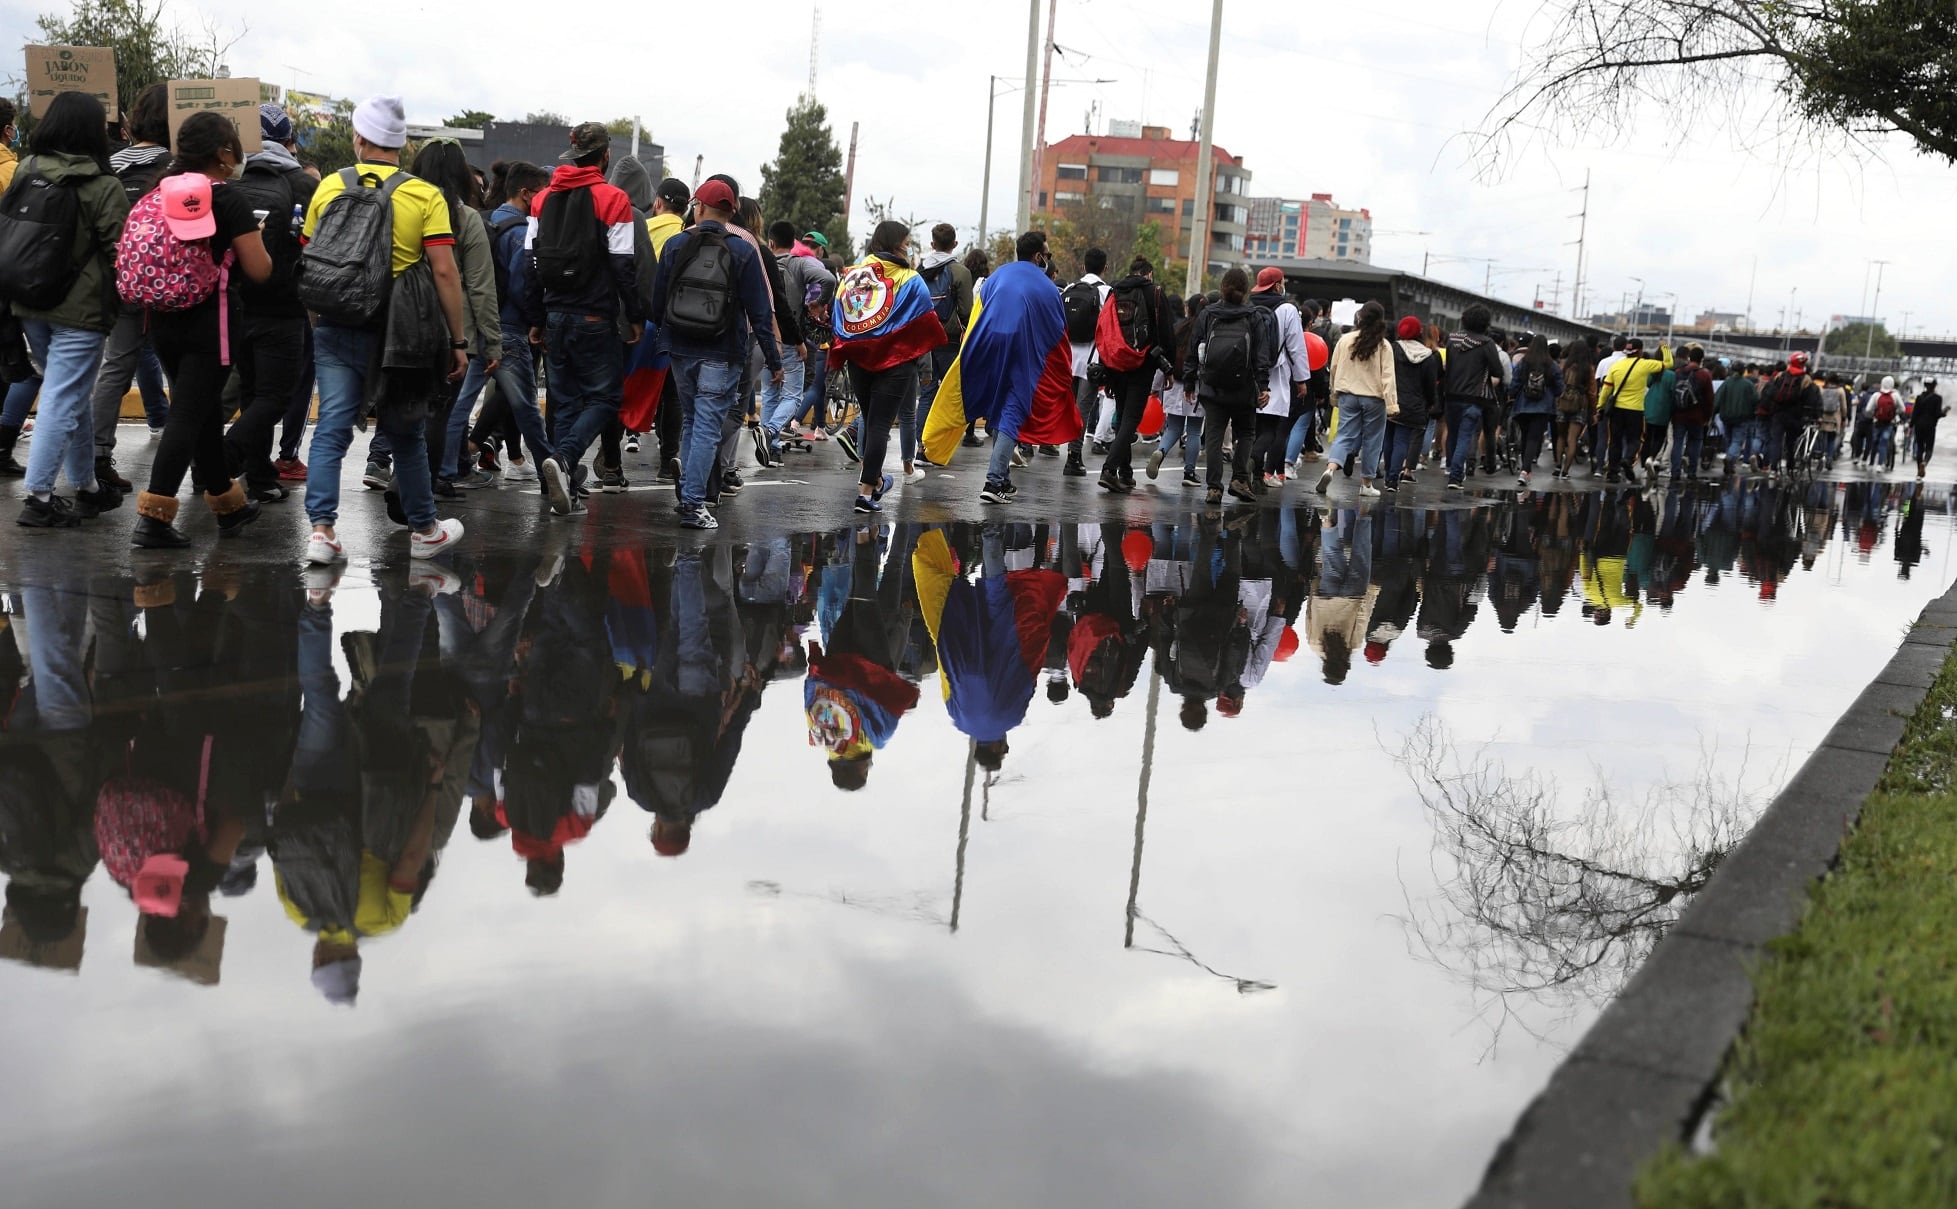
[(880, 393), (436, 428), (268, 352), (1267, 451), (1534, 428), (301, 404), (1130, 391), (667, 422), (187, 344), (1236, 420)]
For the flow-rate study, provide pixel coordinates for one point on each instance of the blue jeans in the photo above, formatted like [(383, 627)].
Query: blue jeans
[(323, 759), (709, 389), (781, 404), (1688, 446), (1184, 431), (1403, 446), (473, 381), (999, 469), (1362, 430), (1885, 438), (1294, 444), (1463, 426), (20, 401), (586, 360), (341, 356), (815, 393), (64, 437)]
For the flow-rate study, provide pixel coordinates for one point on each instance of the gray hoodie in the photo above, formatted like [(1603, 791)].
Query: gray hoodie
[(631, 178)]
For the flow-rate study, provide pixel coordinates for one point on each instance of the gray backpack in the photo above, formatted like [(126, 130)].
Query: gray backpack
[(347, 268)]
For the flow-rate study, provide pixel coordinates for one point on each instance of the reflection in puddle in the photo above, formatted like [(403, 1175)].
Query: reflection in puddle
[(1127, 813)]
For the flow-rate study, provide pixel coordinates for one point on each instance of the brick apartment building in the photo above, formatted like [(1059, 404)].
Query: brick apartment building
[(1148, 175), (1313, 228)]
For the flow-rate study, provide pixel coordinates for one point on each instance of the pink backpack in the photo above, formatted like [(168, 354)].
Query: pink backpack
[(158, 271)]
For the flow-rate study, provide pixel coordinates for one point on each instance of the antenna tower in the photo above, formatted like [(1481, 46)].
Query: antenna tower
[(815, 48)]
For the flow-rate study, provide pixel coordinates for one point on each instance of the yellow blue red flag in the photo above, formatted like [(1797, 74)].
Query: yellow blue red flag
[(883, 316), (1014, 371)]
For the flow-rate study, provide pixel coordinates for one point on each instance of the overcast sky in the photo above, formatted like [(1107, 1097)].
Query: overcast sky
[(1371, 112)]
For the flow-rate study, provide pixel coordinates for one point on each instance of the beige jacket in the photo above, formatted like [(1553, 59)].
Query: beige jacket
[(1374, 377)]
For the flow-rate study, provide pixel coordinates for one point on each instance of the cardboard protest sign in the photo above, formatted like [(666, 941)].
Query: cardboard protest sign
[(63, 954), (235, 99), (202, 965), (53, 70)]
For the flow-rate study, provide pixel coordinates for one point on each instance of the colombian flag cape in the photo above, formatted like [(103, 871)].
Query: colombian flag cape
[(883, 316), (1015, 370), (646, 366), (991, 636)]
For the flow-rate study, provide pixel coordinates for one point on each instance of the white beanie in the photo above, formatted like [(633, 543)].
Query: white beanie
[(1888, 384), (381, 121)]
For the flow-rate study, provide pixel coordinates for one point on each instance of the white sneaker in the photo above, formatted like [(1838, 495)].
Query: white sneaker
[(324, 551), (447, 534), (435, 580), (915, 475), (320, 583), (520, 472), (1369, 491)]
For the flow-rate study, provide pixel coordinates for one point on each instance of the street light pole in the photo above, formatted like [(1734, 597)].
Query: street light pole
[(985, 189), (1030, 113), (1199, 235), (1869, 351)]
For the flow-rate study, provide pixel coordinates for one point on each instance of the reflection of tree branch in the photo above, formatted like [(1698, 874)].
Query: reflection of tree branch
[(1245, 986), (1553, 907), (917, 907)]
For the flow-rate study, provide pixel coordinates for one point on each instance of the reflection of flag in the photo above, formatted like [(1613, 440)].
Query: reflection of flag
[(645, 379), (883, 316), (991, 636), (1015, 370)]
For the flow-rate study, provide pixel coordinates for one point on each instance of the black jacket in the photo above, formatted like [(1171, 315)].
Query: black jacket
[(1418, 383), (1476, 369), (1260, 351)]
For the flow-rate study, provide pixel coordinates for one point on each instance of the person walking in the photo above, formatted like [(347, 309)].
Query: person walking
[(1182, 413), (512, 406), (1923, 424), (1290, 372), (67, 327), (809, 283), (1083, 301), (1576, 407), (1737, 403), (1622, 399), (1130, 340), (1788, 399), (951, 285), (1417, 382), (1366, 386), (1691, 412), (884, 324), (1231, 368), (192, 204), (347, 344), (1534, 386), (583, 277), (699, 269), (1476, 370)]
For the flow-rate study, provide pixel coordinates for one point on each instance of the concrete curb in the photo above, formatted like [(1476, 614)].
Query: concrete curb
[(1645, 1072)]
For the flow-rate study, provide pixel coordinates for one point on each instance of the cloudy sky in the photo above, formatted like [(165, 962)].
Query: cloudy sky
[(1372, 112)]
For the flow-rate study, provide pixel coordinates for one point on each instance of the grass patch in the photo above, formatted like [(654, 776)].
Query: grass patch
[(1844, 1087)]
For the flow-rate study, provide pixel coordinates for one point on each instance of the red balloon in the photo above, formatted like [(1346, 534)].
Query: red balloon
[(1151, 417), (1136, 549), (1316, 354), (1287, 642)]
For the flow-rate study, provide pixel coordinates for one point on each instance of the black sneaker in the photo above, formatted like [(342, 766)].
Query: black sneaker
[(731, 483), (231, 524), (1110, 481), (50, 513), (846, 441), (1075, 468), (445, 489), (993, 493), (1241, 490), (94, 503), (377, 477), (1049, 451), (972, 440), (10, 469), (395, 512), (267, 495), (1191, 479), (557, 485), (1454, 484), (611, 480), (670, 469)]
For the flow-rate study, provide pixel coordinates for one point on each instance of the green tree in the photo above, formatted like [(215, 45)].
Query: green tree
[(148, 50), (1148, 245), (804, 185), (545, 117), (470, 119), (326, 137), (1859, 340), (1850, 69)]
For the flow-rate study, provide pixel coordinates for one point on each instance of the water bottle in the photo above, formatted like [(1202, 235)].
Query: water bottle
[(298, 220)]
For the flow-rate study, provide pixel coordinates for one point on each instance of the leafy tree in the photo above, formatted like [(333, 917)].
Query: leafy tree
[(619, 126), (326, 137), (804, 185), (1851, 69), (470, 119), (1857, 340), (546, 118), (148, 51), (1148, 245)]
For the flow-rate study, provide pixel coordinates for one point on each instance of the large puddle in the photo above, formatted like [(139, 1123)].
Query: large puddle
[(1275, 862)]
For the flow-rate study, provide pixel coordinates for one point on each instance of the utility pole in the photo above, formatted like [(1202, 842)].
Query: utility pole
[(1199, 236), (1024, 219), (1879, 266), (849, 178), (985, 188), (815, 46), (1750, 279), (635, 136), (1582, 230), (1046, 83)]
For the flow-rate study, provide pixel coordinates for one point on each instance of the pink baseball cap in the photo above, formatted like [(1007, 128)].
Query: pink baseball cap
[(187, 205), (158, 888)]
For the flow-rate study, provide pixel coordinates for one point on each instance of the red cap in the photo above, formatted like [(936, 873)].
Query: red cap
[(1271, 278), (716, 194), (1411, 328)]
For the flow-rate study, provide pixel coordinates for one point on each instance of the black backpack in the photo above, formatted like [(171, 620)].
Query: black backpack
[(1227, 353), (139, 178), (700, 302), (347, 268), (270, 189), (1134, 308), (1082, 302), (1536, 384), (570, 247), (939, 279), (38, 218), (496, 232)]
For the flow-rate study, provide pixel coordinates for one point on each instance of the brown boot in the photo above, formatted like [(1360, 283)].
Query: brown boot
[(232, 509), (157, 507)]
